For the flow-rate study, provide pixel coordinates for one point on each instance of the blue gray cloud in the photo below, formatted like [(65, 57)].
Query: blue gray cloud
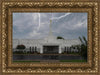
[(36, 25)]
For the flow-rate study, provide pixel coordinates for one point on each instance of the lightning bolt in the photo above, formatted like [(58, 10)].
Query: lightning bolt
[(57, 18), (52, 18), (39, 22)]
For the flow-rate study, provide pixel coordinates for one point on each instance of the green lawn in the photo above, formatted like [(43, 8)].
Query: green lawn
[(60, 61), (73, 61), (25, 61)]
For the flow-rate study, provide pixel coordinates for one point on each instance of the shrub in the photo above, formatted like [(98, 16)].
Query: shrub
[(20, 47)]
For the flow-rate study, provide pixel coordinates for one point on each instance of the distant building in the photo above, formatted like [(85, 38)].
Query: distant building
[(49, 44)]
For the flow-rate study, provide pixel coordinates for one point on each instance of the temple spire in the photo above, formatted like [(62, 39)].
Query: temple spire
[(50, 31)]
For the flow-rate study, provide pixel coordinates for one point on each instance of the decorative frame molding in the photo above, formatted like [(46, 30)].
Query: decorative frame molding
[(49, 6)]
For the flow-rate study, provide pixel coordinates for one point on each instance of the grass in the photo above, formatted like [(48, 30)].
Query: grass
[(60, 61), (25, 61), (73, 61)]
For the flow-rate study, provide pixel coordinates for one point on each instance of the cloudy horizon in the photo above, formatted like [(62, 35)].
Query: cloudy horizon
[(36, 25)]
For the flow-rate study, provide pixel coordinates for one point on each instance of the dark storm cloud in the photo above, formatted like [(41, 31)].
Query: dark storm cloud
[(36, 25)]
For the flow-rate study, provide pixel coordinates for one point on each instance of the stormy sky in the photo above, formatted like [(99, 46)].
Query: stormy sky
[(36, 25)]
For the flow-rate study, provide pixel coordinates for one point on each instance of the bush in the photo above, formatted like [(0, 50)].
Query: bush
[(20, 47)]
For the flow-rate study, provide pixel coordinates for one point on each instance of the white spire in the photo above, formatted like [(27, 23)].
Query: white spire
[(50, 31), (18, 42), (50, 37)]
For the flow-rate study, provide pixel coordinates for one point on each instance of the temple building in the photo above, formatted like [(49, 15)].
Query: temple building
[(49, 44)]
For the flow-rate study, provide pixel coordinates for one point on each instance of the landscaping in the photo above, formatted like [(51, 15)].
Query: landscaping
[(73, 61)]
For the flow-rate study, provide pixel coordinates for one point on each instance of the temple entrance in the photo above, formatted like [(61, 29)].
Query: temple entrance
[(50, 49)]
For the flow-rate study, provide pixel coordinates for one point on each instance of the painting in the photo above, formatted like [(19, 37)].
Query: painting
[(50, 36)]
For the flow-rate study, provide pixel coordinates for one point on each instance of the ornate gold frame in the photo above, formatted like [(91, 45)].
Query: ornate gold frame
[(49, 6)]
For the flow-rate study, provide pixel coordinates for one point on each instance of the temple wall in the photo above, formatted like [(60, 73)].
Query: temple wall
[(40, 43)]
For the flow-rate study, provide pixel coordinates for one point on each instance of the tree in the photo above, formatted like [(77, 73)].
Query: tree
[(20, 47), (59, 37), (83, 47)]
